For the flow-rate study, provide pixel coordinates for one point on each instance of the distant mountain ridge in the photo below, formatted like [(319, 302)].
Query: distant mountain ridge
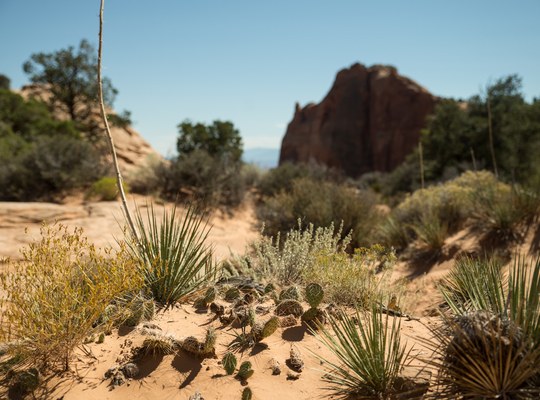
[(263, 157)]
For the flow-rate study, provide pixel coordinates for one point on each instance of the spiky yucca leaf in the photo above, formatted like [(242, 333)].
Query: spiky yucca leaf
[(523, 297), (175, 259), (369, 354), (474, 284)]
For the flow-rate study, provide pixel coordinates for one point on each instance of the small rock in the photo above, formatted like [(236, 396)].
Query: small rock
[(111, 371), (295, 361), (118, 379), (275, 366), (130, 370), (196, 396), (292, 376)]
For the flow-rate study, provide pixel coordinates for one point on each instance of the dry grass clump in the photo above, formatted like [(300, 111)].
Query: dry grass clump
[(52, 300)]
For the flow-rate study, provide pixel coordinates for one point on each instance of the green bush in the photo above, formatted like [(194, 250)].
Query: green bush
[(281, 179), (321, 203), (285, 260), (105, 189), (211, 181), (146, 178), (46, 168), (473, 198)]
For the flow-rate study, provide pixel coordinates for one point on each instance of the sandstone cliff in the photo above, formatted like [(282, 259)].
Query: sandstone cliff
[(369, 121), (132, 149)]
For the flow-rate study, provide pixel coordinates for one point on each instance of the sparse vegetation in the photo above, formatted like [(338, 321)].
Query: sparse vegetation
[(321, 203)]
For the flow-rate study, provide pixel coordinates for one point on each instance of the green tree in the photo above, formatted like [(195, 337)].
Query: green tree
[(4, 82), (220, 139), (71, 77), (457, 132)]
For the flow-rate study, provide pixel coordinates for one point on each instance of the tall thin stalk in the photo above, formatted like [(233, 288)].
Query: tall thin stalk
[(491, 145), (421, 163), (119, 179)]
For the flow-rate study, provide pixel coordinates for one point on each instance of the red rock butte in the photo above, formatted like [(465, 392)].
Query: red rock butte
[(370, 120)]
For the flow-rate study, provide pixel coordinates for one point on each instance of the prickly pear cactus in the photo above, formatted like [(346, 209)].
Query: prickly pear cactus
[(261, 330), (135, 312), (314, 294), (210, 295), (247, 394), (270, 327), (245, 371), (192, 345), (232, 294), (269, 288), (210, 341), (229, 362), (291, 293), (314, 317), (287, 307)]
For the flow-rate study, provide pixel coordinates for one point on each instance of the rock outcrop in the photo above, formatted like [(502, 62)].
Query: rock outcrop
[(369, 121), (132, 150)]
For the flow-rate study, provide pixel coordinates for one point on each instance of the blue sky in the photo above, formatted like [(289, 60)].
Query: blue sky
[(250, 61)]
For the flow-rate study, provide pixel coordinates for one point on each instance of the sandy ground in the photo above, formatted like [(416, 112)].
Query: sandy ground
[(180, 376), (102, 223)]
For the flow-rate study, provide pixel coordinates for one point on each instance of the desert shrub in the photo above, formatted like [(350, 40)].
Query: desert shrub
[(105, 189), (46, 168), (211, 181), (55, 295), (370, 354), (284, 260), (472, 198), (319, 255), (173, 255), (146, 178), (350, 280), (322, 203), (499, 208), (281, 179)]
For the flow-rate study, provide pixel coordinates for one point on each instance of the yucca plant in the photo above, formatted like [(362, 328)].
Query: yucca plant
[(175, 259), (473, 285), (369, 352), (481, 355), (490, 349)]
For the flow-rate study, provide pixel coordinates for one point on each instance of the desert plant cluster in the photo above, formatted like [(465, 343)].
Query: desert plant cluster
[(322, 266)]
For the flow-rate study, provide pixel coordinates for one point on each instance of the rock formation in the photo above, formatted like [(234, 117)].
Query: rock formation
[(369, 121), (132, 149)]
